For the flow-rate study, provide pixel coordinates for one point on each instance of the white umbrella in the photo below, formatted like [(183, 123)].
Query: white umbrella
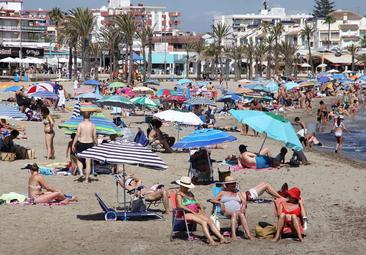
[(348, 71), (7, 60), (30, 60), (333, 71), (322, 65), (184, 118), (305, 65)]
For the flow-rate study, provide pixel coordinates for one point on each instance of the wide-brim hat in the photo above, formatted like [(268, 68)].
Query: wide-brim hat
[(185, 181), (294, 193), (230, 179)]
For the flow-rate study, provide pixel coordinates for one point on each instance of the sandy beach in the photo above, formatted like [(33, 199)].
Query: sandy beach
[(333, 189)]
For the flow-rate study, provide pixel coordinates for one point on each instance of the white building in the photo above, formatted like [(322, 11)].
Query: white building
[(15, 5), (247, 27), (348, 28)]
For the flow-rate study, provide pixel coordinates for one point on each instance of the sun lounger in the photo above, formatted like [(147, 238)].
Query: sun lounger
[(111, 214)]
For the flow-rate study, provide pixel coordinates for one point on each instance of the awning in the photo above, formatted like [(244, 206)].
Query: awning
[(345, 59)]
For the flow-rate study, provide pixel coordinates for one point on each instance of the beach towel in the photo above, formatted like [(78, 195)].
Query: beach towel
[(10, 197), (238, 168)]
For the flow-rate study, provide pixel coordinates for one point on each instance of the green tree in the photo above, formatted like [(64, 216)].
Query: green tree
[(95, 51), (323, 8), (352, 49), (211, 55), (69, 37), (188, 47), (127, 26), (199, 47), (269, 41), (219, 33), (362, 60), (236, 54), (82, 21), (363, 42), (144, 35), (288, 51), (276, 32), (249, 51), (329, 20), (308, 32), (56, 15), (259, 53)]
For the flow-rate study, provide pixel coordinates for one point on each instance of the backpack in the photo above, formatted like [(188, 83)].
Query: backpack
[(264, 230)]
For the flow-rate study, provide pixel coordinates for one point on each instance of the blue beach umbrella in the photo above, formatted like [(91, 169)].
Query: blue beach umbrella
[(203, 138), (274, 126), (184, 81), (12, 89), (339, 76), (230, 98), (363, 77), (291, 85), (92, 82), (90, 96), (323, 79), (44, 94)]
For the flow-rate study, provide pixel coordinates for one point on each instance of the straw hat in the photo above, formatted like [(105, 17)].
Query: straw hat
[(230, 179), (294, 193), (185, 181)]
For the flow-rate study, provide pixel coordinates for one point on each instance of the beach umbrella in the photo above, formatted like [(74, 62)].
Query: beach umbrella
[(333, 71), (12, 89), (271, 87), (322, 66), (143, 90), (243, 91), (363, 77), (103, 125), (201, 84), (323, 79), (11, 113), (116, 101), (199, 101), (90, 96), (305, 65), (230, 98), (184, 81), (339, 76), (89, 107), (91, 82), (274, 126), (203, 138), (291, 85), (152, 82), (83, 90), (165, 92), (307, 84), (184, 118), (7, 84), (117, 84), (43, 94), (8, 60), (36, 87), (175, 99), (144, 101)]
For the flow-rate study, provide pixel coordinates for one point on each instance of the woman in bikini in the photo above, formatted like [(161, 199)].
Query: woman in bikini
[(194, 212), (233, 204), (49, 132), (338, 129), (291, 212), (36, 185)]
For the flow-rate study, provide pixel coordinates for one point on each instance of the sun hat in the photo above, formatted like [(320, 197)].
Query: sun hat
[(294, 193), (229, 179), (185, 181)]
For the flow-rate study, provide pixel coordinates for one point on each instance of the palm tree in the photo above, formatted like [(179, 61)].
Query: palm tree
[(249, 50), (308, 32), (82, 21), (236, 53), (329, 20), (95, 50), (199, 48), (127, 26), (269, 42), (150, 35), (259, 52), (56, 15), (288, 51), (69, 37), (143, 35), (211, 55), (111, 38), (219, 33), (362, 60), (276, 32), (352, 49), (363, 42), (188, 48)]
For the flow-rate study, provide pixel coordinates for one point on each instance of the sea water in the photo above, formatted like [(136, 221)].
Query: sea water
[(354, 146)]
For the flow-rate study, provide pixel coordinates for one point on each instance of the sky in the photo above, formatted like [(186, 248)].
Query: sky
[(197, 15)]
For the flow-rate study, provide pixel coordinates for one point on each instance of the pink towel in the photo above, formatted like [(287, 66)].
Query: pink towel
[(237, 168)]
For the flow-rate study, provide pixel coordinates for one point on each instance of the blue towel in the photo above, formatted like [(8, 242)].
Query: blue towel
[(141, 138)]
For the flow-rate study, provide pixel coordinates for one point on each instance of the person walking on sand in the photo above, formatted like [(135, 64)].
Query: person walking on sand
[(85, 138), (338, 129), (49, 132)]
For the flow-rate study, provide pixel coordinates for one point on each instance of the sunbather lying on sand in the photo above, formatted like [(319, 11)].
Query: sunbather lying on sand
[(36, 185), (259, 161), (152, 194)]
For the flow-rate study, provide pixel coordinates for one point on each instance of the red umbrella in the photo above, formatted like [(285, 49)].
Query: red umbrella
[(176, 99)]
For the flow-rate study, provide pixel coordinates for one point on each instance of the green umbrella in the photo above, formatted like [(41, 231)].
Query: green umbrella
[(144, 101), (117, 84), (116, 101)]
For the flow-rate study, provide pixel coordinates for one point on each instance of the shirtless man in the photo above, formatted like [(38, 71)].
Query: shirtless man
[(134, 186), (85, 138), (257, 161)]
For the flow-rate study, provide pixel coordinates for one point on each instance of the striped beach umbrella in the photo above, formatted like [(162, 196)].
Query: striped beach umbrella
[(175, 99), (143, 90), (152, 82), (103, 125), (144, 101), (116, 101), (11, 113), (90, 96), (117, 84), (165, 92), (44, 94), (88, 107), (199, 101), (124, 153)]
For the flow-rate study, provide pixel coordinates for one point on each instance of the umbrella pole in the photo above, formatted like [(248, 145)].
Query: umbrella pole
[(265, 138), (124, 192)]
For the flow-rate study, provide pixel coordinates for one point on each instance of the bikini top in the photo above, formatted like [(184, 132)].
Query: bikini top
[(296, 211), (186, 201)]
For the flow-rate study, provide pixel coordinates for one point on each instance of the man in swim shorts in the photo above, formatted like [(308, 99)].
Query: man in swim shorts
[(258, 161)]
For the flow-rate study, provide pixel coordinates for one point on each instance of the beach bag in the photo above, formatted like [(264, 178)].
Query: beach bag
[(294, 163), (138, 205), (264, 230), (215, 220)]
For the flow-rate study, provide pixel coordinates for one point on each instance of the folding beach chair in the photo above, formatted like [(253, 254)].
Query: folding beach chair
[(179, 223), (111, 214), (200, 166)]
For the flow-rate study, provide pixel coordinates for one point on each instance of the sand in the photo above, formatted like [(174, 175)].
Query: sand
[(333, 190)]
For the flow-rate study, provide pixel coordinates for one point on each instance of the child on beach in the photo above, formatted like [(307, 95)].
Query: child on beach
[(72, 156)]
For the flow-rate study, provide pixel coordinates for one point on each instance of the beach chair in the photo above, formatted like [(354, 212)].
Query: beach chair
[(287, 231), (111, 214), (200, 166), (179, 223)]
